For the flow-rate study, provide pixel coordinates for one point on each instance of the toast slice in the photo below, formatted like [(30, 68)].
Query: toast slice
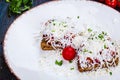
[(48, 46), (94, 66)]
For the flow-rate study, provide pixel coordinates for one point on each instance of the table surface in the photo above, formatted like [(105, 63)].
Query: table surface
[(5, 21)]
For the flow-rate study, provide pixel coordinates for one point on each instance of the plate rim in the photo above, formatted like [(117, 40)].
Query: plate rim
[(10, 26)]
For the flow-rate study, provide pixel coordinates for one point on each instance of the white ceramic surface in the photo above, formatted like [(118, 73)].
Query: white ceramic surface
[(22, 52)]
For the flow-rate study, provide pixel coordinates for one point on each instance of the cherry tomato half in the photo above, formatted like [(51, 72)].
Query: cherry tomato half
[(111, 3), (68, 53)]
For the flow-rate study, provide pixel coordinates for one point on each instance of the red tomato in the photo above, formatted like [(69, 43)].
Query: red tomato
[(111, 3), (118, 3), (68, 53)]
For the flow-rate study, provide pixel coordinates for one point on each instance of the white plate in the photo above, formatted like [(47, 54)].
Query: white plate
[(20, 48)]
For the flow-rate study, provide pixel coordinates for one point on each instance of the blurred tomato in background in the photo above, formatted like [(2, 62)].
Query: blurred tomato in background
[(111, 3)]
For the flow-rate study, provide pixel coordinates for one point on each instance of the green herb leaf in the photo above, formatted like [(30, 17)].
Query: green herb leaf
[(105, 46), (19, 3), (85, 50), (78, 17), (53, 30), (25, 8), (8, 0), (101, 36), (104, 33), (89, 30), (72, 68), (54, 24), (25, 2), (59, 63), (19, 6), (110, 73), (90, 52), (70, 61)]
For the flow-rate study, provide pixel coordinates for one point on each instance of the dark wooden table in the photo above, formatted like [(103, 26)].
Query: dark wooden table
[(5, 21)]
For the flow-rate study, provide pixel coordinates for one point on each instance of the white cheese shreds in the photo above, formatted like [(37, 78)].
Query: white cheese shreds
[(88, 43)]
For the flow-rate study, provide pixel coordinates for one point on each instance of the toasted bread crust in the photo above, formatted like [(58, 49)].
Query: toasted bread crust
[(96, 66), (46, 46)]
